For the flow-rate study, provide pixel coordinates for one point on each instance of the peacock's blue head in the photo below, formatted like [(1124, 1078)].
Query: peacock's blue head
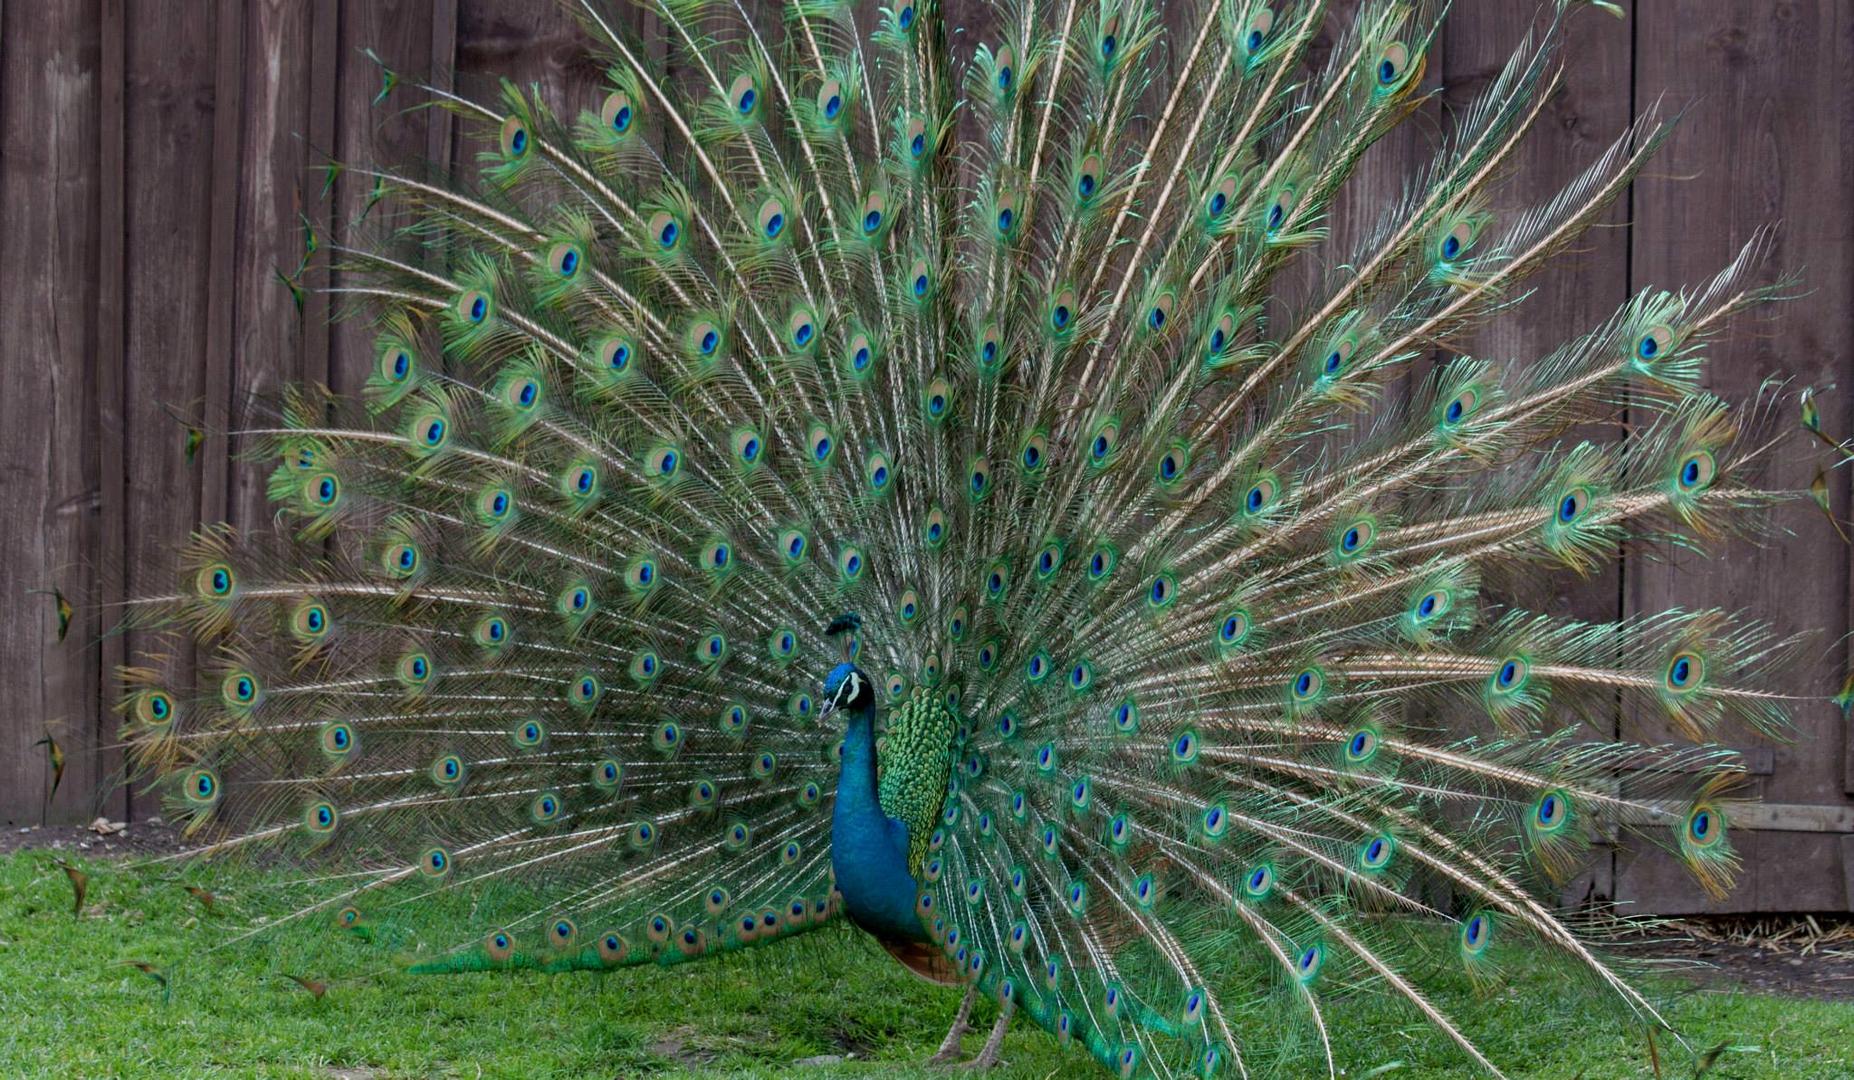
[(847, 687)]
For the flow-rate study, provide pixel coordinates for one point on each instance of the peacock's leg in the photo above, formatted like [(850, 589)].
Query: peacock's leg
[(949, 1046), (988, 1057)]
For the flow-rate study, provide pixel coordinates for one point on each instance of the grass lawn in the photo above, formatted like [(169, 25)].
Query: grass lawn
[(71, 1007)]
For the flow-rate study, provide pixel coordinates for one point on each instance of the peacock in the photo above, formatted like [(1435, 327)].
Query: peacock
[(970, 488)]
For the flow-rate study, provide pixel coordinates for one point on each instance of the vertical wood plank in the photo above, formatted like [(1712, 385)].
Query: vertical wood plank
[(1582, 287), (1766, 143), (268, 343), (49, 90), (110, 550), (169, 77), (324, 109), (396, 132), (223, 175)]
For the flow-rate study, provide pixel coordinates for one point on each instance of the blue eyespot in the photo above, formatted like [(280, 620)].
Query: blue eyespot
[(1451, 248), (1218, 203), (434, 433), (920, 285), (1350, 541), (802, 336), (667, 235), (1059, 316), (518, 143), (1254, 41), (711, 340), (905, 17), (872, 221), (1005, 220), (621, 121), (1276, 214), (479, 308), (918, 145), (621, 357), (861, 360), (1509, 673), (1108, 44), (746, 100), (1387, 72), (774, 225), (1085, 186), (1453, 413), (833, 106), (569, 263)]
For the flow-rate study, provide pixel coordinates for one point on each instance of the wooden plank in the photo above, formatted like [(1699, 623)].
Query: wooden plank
[(49, 88), (1766, 143), (169, 77), (266, 337), (395, 132), (112, 539), (1764, 817), (324, 108), (1582, 287), (223, 175)]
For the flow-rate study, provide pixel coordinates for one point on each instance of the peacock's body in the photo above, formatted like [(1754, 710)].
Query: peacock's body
[(956, 393)]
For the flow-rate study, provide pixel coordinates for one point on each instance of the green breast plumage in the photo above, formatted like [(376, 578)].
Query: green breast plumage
[(914, 757)]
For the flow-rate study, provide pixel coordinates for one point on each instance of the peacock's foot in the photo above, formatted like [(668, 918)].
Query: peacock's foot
[(988, 1057), (949, 1046)]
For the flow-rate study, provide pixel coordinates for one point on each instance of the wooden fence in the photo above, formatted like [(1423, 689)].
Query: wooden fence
[(159, 158)]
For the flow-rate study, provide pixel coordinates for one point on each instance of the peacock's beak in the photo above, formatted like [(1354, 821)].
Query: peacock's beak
[(825, 709)]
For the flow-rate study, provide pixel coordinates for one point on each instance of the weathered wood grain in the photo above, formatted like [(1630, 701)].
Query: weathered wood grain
[(163, 160), (1582, 287), (49, 92), (1766, 142)]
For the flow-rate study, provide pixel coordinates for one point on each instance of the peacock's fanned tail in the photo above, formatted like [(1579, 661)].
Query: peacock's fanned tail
[(989, 344)]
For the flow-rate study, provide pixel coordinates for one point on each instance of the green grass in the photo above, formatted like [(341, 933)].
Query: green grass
[(69, 1007)]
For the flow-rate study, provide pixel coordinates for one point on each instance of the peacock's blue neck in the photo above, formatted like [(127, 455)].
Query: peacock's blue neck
[(868, 849)]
